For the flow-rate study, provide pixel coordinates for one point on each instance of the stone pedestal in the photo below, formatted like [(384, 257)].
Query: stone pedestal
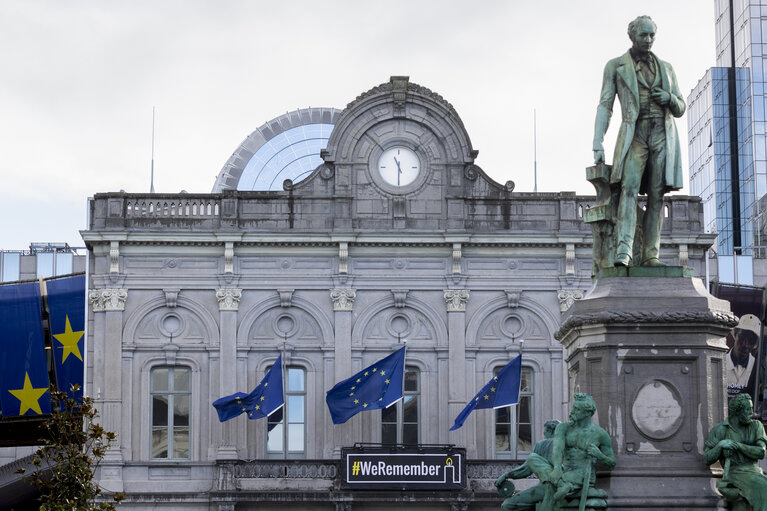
[(650, 350)]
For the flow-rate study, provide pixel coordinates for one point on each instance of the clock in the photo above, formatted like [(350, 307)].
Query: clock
[(399, 166)]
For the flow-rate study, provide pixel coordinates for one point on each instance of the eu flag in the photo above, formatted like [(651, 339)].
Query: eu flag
[(501, 390), (265, 398), (23, 368), (373, 388), (66, 307)]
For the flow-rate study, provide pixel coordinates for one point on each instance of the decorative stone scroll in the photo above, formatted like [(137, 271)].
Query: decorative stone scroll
[(456, 299), (228, 298), (108, 299), (567, 298), (343, 298)]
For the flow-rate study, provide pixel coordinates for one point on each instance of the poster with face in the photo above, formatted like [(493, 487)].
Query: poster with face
[(740, 362)]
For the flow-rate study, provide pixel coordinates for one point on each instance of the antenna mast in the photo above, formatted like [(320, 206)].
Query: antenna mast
[(151, 178)]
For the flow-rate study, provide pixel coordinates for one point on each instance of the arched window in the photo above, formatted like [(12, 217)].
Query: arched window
[(400, 422), (514, 424), (171, 397), (290, 441)]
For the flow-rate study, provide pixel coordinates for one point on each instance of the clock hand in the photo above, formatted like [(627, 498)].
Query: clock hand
[(398, 167)]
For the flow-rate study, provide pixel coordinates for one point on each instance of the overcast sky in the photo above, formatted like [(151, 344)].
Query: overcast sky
[(80, 78)]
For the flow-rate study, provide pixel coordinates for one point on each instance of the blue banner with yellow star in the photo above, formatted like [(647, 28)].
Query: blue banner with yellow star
[(501, 390), (66, 309), (23, 367), (266, 398), (375, 387)]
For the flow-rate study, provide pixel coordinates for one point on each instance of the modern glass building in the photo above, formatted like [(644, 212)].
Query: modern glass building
[(726, 124)]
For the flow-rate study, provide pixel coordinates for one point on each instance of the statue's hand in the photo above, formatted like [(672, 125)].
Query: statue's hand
[(594, 451), (660, 96), (501, 480), (599, 156)]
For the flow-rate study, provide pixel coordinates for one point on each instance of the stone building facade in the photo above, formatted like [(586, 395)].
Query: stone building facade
[(193, 296)]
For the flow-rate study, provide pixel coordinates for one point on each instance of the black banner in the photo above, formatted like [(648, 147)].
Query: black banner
[(404, 468)]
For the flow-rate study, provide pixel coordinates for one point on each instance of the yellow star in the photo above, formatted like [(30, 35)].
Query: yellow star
[(356, 401), (29, 396), (262, 398), (365, 405), (358, 380), (69, 340), (258, 407), (486, 397), (383, 373), (354, 387), (351, 394), (495, 378), (386, 381), (492, 389), (366, 373), (266, 384), (374, 369)]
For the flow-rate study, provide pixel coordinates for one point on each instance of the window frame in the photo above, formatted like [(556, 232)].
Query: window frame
[(514, 452), (284, 452), (399, 410), (170, 427)]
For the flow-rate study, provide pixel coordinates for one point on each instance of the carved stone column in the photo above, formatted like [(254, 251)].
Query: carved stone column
[(108, 305), (228, 305), (455, 301), (343, 301)]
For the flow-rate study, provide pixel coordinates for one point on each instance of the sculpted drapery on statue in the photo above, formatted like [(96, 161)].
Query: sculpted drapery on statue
[(738, 443), (647, 158), (567, 478)]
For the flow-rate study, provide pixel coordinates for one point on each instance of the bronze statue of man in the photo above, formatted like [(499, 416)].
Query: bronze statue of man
[(647, 158), (738, 444)]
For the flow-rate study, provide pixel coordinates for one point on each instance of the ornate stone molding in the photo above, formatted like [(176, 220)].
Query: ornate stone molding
[(512, 298), (456, 299), (684, 255), (570, 259), (228, 298), (343, 298), (457, 255), (286, 297), (228, 257), (343, 257), (171, 297), (108, 299), (567, 298), (114, 257), (400, 297), (725, 319)]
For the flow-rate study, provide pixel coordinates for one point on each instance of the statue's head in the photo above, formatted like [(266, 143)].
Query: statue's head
[(741, 408), (583, 407), (642, 33), (549, 428)]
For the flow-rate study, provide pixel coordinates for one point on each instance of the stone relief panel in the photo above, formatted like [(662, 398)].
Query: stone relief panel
[(164, 323), (393, 324), (294, 325), (505, 325)]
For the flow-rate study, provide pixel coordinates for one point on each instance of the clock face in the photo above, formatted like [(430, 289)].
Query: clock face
[(399, 166)]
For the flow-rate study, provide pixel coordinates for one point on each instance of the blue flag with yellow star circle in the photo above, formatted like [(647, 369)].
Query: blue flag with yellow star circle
[(66, 308), (375, 387), (23, 367), (265, 399)]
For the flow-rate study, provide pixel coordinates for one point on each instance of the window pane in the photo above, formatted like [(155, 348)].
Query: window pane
[(389, 433), (411, 409), (11, 266), (160, 379), (274, 439), (181, 410), (45, 264), (180, 380), (524, 409), (63, 263), (295, 408), (159, 410), (295, 379), (411, 381), (180, 442), (159, 443), (526, 384), (295, 437), (502, 438), (503, 414), (525, 438), (410, 434), (389, 414)]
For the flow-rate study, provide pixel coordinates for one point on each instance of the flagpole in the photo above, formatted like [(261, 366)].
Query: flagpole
[(284, 389)]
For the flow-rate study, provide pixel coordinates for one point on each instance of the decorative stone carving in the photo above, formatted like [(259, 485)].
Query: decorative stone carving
[(457, 254), (108, 299), (570, 259), (567, 298), (114, 257), (471, 172), (171, 297), (343, 298), (400, 296), (286, 297), (327, 171), (684, 255), (343, 257), (228, 298), (456, 299), (512, 297), (229, 257)]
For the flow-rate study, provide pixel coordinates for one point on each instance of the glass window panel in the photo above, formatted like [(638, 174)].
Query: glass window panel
[(389, 433), (503, 414), (11, 266), (389, 414), (159, 410), (181, 410), (411, 381), (295, 379), (159, 442), (295, 437), (274, 439), (295, 408), (180, 443), (45, 264), (525, 438), (410, 434), (180, 380), (410, 409), (159, 379), (524, 409), (63, 263), (502, 437)]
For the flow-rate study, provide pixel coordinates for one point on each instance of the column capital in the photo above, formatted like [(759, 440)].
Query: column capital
[(343, 298), (567, 298), (456, 299), (108, 299), (228, 298)]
